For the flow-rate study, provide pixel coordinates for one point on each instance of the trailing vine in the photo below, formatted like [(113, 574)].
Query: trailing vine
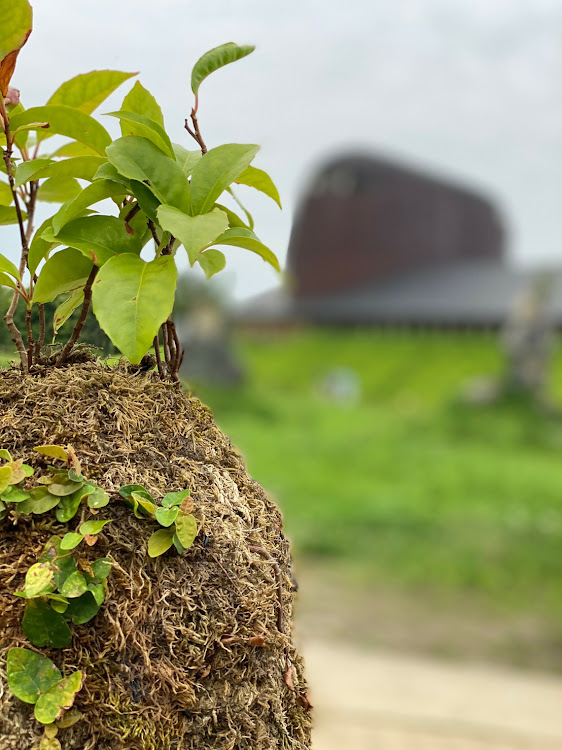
[(63, 589)]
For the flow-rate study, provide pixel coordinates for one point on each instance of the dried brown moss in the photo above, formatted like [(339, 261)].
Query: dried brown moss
[(186, 653)]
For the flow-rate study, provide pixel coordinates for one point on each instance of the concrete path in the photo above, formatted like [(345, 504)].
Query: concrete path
[(379, 701)]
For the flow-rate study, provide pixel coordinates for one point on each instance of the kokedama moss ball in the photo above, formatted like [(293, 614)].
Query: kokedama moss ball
[(188, 652)]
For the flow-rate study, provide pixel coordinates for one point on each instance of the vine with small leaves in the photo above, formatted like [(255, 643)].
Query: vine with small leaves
[(163, 193), (63, 589)]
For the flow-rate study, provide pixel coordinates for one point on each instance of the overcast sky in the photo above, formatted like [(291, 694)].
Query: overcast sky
[(467, 88)]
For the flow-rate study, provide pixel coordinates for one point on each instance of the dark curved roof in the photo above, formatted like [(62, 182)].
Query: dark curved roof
[(365, 219)]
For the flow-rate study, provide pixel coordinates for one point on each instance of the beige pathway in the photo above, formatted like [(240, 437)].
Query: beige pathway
[(379, 701)]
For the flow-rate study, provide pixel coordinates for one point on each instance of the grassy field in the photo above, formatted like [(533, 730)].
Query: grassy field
[(408, 487)]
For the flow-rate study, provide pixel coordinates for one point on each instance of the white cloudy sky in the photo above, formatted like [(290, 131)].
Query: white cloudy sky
[(468, 88)]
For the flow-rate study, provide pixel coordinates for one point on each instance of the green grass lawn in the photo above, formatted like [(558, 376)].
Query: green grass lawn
[(408, 487)]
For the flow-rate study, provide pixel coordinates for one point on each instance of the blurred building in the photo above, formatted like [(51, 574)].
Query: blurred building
[(374, 242)]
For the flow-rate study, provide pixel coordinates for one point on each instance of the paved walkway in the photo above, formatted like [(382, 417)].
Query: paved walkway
[(379, 701)]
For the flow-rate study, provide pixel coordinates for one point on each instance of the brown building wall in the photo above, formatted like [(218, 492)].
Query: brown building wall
[(365, 219)]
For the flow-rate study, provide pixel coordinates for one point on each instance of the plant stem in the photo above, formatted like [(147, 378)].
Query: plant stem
[(9, 316), (82, 319), (196, 133), (158, 357), (41, 340)]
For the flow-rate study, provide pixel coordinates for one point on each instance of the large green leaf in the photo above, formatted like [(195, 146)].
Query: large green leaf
[(106, 236), (8, 215), (51, 705), (194, 232), (65, 271), (259, 180), (247, 214), (43, 626), (132, 298), (30, 674), (74, 148), (215, 171), (88, 90), (15, 29), (211, 261), (233, 219), (94, 193), (186, 159), (217, 58), (40, 247), (141, 101), (246, 239), (17, 18), (6, 195), (146, 199), (59, 190), (83, 608), (67, 121), (8, 267), (134, 124), (139, 159), (6, 280), (82, 167)]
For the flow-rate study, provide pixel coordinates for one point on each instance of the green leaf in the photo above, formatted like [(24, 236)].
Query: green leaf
[(144, 502), (186, 159), (97, 590), (16, 496), (133, 123), (128, 489), (59, 190), (30, 674), (5, 280), (40, 501), (39, 580), (75, 585), (186, 529), (139, 159), (58, 603), (6, 196), (141, 101), (28, 470), (43, 626), (40, 247), (49, 743), (132, 298), (65, 271), (104, 236), (215, 171), (88, 90), (8, 215), (66, 566), (146, 199), (82, 609), (194, 232), (167, 516), (5, 477), (246, 239), (8, 267), (160, 542), (175, 498), (247, 214), (98, 499), (5, 454), (178, 545), (69, 505), (101, 568), (91, 528), (71, 540), (73, 148), (66, 121), (66, 308), (16, 24), (53, 451), (51, 705), (211, 261), (94, 193), (81, 167), (217, 58), (108, 172)]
